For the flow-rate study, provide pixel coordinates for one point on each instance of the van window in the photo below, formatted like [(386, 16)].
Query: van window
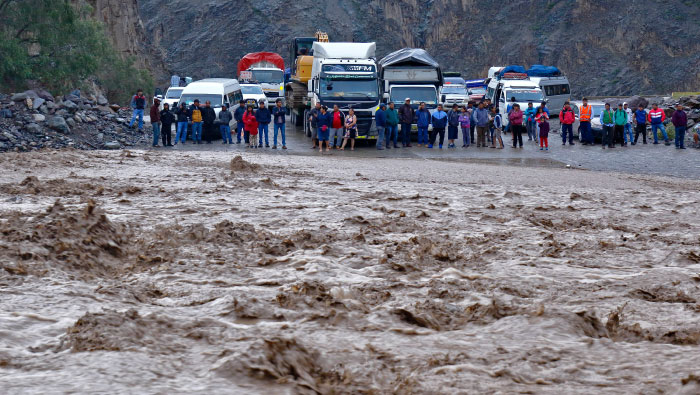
[(556, 90), (214, 99)]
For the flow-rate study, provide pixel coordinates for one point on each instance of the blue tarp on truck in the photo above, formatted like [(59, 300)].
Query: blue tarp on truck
[(538, 70)]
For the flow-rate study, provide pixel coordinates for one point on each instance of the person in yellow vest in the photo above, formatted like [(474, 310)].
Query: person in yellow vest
[(585, 116), (196, 116)]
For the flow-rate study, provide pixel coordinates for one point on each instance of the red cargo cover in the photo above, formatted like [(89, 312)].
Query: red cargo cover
[(257, 57)]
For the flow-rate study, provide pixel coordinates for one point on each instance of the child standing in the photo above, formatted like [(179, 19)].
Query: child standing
[(497, 129), (541, 118), (251, 127), (465, 123)]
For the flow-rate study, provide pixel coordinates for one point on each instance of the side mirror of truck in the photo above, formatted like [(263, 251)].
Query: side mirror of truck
[(443, 98)]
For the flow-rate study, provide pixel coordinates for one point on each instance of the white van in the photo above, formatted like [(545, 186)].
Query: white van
[(556, 91), (172, 96), (216, 90), (513, 85)]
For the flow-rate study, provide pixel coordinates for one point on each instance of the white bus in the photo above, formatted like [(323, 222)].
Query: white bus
[(556, 91)]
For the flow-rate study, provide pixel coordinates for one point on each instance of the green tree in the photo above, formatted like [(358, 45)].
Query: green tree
[(58, 44)]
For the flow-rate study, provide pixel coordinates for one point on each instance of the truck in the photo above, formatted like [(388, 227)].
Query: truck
[(266, 69), (512, 82), (411, 73), (454, 91), (345, 74), (296, 88)]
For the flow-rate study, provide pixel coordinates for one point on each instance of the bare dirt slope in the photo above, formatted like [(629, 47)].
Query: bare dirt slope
[(198, 272)]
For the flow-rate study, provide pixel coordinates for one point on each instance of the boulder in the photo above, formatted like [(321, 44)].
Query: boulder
[(105, 109), (72, 98), (114, 107), (59, 124), (112, 145), (44, 109), (635, 101), (70, 122), (38, 102), (51, 105), (69, 105), (102, 101), (45, 95), (19, 97), (38, 117), (33, 128)]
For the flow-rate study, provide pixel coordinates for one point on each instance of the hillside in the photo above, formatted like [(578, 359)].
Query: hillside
[(628, 47)]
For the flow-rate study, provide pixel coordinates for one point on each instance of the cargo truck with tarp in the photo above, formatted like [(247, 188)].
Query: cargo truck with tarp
[(266, 69)]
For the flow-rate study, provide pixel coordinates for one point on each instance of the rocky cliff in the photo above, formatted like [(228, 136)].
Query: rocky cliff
[(605, 47)]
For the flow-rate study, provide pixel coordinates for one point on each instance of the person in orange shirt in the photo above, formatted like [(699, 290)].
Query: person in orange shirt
[(586, 114)]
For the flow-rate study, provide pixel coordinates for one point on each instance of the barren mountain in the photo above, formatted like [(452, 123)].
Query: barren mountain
[(605, 47)]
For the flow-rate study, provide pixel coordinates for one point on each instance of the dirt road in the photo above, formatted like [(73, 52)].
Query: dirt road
[(197, 272)]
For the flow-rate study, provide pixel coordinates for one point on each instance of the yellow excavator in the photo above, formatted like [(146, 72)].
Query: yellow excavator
[(301, 59)]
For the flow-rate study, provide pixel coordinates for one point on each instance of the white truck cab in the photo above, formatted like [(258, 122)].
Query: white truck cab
[(271, 79), (253, 93)]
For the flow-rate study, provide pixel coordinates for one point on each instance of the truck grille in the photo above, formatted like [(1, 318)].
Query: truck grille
[(272, 94)]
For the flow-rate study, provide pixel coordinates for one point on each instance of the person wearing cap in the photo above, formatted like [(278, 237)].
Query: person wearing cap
[(264, 117), (567, 119), (225, 118), (380, 122), (585, 116), (155, 121), (628, 125), (208, 119), (392, 126), (279, 114), (196, 117), (620, 119), (240, 125), (406, 114)]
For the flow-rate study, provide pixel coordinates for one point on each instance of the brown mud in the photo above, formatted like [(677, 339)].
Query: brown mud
[(158, 272)]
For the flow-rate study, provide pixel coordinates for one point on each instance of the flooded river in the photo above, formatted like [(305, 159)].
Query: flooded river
[(207, 272)]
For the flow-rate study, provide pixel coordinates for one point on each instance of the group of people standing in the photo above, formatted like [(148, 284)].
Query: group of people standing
[(254, 124), (334, 128)]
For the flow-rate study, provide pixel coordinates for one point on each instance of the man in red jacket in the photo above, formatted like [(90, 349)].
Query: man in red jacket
[(155, 121), (567, 118), (656, 118)]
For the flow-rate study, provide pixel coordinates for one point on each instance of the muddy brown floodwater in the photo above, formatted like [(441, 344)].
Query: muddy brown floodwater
[(201, 272)]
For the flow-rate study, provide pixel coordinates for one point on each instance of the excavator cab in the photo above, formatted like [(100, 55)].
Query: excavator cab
[(300, 46)]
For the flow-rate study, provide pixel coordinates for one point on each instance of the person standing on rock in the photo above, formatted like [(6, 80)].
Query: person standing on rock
[(620, 118), (656, 118), (240, 126), (680, 123), (640, 122), (406, 114), (516, 125), (138, 104), (264, 117), (155, 121), (392, 126), (313, 120), (628, 126), (183, 115), (439, 121), (251, 127), (279, 115), (209, 118), (225, 118), (196, 118), (335, 138), (481, 118), (167, 120), (423, 119), (567, 119), (452, 126), (586, 114), (380, 122), (607, 119)]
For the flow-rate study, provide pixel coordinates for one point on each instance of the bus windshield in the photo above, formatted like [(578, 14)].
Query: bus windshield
[(525, 95), (268, 76)]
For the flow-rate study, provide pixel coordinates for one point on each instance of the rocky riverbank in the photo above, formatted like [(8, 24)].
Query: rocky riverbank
[(35, 119)]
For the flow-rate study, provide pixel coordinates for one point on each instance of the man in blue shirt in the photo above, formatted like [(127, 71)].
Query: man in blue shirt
[(481, 117), (439, 121), (380, 121)]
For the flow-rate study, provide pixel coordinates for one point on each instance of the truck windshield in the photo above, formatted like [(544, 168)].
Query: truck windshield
[(454, 90), (349, 89), (416, 94), (525, 95), (214, 99), (252, 89), (268, 76)]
